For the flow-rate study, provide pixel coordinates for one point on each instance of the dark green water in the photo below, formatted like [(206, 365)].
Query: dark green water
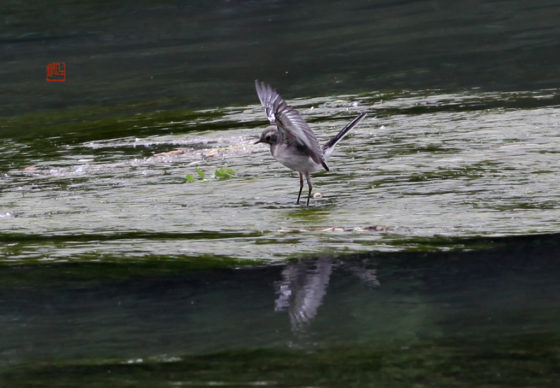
[(429, 259), (483, 317)]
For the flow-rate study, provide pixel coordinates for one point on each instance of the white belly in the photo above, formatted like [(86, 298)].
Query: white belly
[(294, 160)]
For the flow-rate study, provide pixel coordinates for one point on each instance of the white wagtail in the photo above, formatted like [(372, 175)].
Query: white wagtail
[(292, 142)]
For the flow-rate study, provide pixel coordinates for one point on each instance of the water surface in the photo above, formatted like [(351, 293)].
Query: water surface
[(427, 257), (486, 317), (421, 165)]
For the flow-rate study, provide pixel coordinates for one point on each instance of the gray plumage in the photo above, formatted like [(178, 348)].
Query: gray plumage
[(291, 140)]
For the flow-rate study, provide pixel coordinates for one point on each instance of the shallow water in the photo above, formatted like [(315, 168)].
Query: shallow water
[(421, 165)]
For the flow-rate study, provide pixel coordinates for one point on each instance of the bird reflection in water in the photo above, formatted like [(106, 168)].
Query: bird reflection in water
[(304, 285)]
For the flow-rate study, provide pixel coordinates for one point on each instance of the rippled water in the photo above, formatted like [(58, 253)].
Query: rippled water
[(422, 165)]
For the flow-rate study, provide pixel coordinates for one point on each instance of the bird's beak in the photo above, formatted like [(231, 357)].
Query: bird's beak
[(258, 141)]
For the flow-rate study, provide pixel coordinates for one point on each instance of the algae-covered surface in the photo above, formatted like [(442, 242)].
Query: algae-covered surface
[(421, 165)]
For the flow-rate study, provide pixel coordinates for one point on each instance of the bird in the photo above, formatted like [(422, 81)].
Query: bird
[(291, 140)]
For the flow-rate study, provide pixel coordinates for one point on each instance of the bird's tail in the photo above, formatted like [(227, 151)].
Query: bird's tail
[(329, 146)]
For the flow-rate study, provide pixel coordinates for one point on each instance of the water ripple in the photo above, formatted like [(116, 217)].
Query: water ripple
[(423, 164)]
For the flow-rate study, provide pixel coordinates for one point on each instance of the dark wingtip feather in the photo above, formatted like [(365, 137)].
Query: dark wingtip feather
[(331, 143)]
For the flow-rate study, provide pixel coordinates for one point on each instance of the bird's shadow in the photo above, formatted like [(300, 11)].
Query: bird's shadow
[(316, 205), (315, 210)]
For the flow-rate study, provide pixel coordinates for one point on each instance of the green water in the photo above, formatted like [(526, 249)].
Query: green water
[(486, 316), (428, 256)]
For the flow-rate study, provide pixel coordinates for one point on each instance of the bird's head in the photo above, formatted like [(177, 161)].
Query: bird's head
[(269, 136)]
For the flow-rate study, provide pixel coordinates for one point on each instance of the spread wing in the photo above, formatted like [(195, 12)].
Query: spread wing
[(291, 126)]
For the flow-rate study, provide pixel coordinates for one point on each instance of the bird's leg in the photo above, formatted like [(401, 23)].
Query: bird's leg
[(300, 187), (308, 178)]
